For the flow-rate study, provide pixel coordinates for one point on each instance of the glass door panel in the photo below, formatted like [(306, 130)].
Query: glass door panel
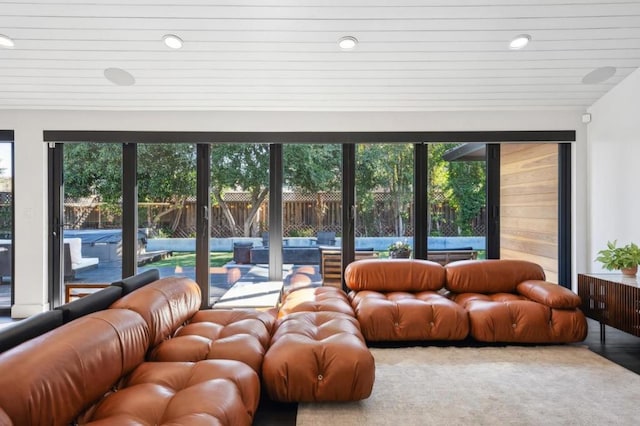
[(384, 200), (311, 211), (166, 175), (457, 202), (92, 223), (239, 215), (6, 224)]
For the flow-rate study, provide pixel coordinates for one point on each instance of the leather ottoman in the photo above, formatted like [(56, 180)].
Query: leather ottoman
[(318, 356)]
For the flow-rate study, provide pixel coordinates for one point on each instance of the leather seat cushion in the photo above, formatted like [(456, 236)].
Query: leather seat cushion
[(316, 299), (202, 393), (403, 316), (318, 356), (242, 335), (524, 321)]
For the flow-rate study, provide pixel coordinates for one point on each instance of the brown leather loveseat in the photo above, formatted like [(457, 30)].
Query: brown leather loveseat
[(488, 300)]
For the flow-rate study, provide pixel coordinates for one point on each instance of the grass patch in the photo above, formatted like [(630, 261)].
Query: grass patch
[(188, 258)]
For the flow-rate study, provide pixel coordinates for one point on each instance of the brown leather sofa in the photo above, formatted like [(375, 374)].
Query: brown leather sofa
[(398, 300), (488, 300), (510, 301), (103, 367)]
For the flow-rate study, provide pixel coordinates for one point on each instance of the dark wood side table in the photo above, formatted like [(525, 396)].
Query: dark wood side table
[(612, 300)]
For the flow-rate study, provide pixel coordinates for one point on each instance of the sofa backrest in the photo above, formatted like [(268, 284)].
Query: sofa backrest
[(90, 303), (490, 276), (28, 328), (164, 304), (134, 282), (386, 275), (53, 378)]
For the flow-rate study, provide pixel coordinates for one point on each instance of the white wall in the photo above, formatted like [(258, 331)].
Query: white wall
[(613, 168), (31, 153)]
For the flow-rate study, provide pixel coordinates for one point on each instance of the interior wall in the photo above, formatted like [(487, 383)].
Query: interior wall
[(31, 201), (529, 205), (613, 172)]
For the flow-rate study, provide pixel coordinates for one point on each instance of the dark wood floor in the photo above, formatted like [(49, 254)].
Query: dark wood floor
[(619, 347)]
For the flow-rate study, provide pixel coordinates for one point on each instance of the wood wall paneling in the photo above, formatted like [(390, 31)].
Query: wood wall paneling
[(529, 205)]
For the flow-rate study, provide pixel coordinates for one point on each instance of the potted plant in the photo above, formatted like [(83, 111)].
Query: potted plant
[(624, 258), (399, 250)]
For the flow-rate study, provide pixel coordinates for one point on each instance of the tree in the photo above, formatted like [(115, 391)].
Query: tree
[(387, 167), (166, 174), (313, 169), (467, 186), (240, 167)]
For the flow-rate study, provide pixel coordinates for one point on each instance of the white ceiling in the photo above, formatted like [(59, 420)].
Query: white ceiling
[(283, 55)]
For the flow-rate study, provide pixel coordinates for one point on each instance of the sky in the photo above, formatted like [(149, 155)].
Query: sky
[(5, 159)]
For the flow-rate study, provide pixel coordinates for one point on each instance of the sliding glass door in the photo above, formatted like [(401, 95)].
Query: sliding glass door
[(311, 212), (384, 200), (6, 224), (92, 214), (166, 181)]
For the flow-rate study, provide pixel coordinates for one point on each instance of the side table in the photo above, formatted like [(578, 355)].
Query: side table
[(612, 300)]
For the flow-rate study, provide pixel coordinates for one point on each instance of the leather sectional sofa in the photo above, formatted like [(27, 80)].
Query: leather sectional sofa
[(149, 357), (488, 300), (141, 351)]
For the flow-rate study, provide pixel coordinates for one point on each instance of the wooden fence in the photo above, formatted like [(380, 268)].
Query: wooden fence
[(303, 215)]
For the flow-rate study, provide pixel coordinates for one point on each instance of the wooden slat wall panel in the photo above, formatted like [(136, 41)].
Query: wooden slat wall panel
[(529, 205)]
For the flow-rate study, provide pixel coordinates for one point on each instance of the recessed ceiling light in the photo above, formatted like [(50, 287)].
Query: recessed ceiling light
[(6, 41), (520, 42), (172, 41), (347, 43), (119, 77), (599, 75)]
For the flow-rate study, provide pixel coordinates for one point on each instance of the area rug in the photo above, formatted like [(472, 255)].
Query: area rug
[(548, 385)]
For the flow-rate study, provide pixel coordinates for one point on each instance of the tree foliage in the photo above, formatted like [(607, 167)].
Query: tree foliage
[(167, 174)]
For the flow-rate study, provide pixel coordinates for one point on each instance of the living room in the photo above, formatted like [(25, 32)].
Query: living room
[(603, 161)]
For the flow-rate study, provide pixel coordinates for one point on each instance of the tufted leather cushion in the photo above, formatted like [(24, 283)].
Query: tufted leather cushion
[(403, 316), (394, 275), (524, 321), (316, 299), (490, 276), (165, 305), (63, 371), (318, 356), (212, 392), (241, 335)]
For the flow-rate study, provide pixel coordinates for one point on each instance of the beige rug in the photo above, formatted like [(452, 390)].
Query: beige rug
[(550, 385)]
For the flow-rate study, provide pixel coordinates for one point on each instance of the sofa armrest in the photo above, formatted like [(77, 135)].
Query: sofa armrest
[(549, 294)]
